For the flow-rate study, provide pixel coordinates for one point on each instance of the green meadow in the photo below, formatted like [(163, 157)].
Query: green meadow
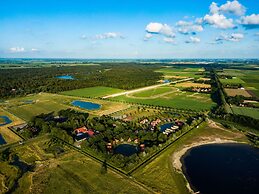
[(246, 111), (98, 91), (182, 72)]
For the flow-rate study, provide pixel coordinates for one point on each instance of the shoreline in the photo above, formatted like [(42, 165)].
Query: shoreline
[(176, 157)]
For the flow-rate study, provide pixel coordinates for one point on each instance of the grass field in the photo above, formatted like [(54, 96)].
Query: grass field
[(46, 103), (70, 172), (161, 175), (182, 72), (7, 134), (234, 80), (192, 84), (177, 99), (153, 92), (234, 92), (251, 112), (92, 92)]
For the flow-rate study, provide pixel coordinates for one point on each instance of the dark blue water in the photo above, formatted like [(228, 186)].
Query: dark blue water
[(126, 149), (6, 120), (86, 105), (166, 126), (2, 140), (68, 77), (223, 168)]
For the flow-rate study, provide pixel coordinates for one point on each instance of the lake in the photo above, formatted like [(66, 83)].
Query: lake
[(2, 140), (223, 168), (6, 120), (86, 105), (126, 149), (68, 77)]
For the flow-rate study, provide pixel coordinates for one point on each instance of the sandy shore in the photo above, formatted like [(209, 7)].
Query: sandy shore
[(176, 158)]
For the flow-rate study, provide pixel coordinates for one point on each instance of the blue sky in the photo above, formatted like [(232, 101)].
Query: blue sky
[(129, 29)]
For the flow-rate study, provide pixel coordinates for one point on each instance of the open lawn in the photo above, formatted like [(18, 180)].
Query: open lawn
[(161, 175), (93, 92), (69, 172), (251, 112), (7, 134), (234, 80), (46, 103)]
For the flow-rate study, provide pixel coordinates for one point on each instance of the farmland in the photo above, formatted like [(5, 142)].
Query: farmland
[(234, 92), (92, 92), (172, 72), (251, 112), (32, 105)]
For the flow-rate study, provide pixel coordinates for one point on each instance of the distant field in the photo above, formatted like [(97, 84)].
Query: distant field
[(234, 80), (93, 92), (46, 103), (234, 92), (251, 112), (192, 84), (182, 72)]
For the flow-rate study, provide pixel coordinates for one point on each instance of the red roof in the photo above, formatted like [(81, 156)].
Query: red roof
[(90, 133), (81, 130)]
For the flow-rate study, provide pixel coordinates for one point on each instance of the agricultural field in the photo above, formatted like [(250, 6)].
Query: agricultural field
[(248, 78), (93, 92), (7, 134), (235, 92), (246, 111), (174, 99), (153, 92), (58, 172), (172, 72), (32, 105), (192, 84)]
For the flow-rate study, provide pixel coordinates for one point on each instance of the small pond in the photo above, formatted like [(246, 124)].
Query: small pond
[(166, 126), (126, 149), (67, 77), (86, 105), (4, 120), (223, 168), (2, 140)]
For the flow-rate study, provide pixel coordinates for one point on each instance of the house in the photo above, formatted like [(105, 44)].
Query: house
[(144, 121), (81, 130)]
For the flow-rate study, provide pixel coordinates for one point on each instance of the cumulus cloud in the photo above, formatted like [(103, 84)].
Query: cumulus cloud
[(17, 49), (199, 21), (34, 50), (219, 21), (169, 40), (193, 40), (231, 7), (188, 27), (234, 37), (108, 35), (158, 28), (148, 36), (83, 37), (251, 21)]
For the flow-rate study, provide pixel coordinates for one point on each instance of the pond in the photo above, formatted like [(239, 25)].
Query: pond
[(4, 120), (222, 168), (2, 140), (126, 149), (67, 77), (166, 126), (86, 105)]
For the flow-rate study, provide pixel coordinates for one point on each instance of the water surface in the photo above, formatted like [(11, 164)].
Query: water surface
[(86, 105), (223, 168), (126, 149), (6, 119), (68, 77)]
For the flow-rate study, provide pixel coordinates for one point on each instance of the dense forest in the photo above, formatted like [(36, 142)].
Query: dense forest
[(22, 81)]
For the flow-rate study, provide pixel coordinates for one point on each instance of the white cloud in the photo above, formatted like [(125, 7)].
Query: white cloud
[(199, 21), (158, 28), (234, 37), (34, 50), (83, 37), (169, 40), (231, 7), (148, 36), (188, 27), (108, 35), (193, 40), (251, 21), (219, 21), (17, 49)]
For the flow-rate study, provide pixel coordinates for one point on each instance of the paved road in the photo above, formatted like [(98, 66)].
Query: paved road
[(145, 88)]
